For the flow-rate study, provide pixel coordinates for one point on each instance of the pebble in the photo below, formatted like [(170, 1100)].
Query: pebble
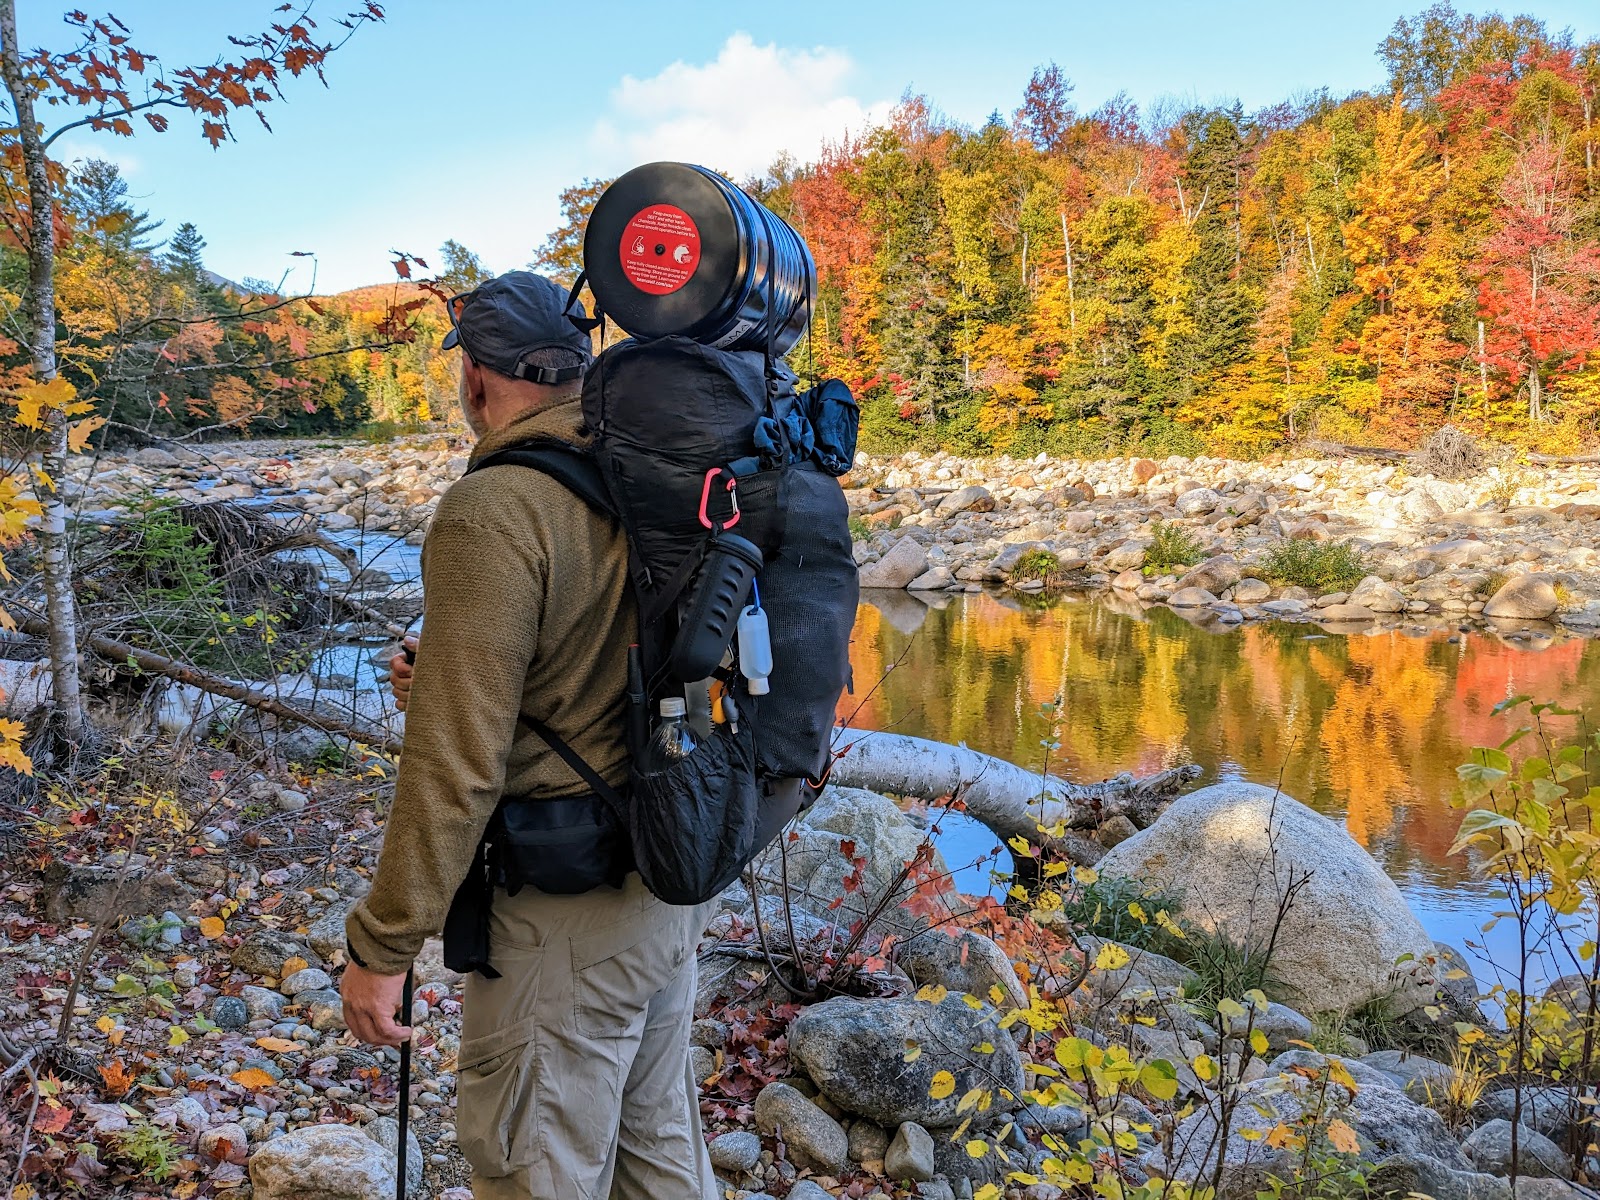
[(307, 979), (229, 1012)]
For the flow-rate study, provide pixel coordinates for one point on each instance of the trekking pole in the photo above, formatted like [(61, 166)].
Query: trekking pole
[(405, 1089)]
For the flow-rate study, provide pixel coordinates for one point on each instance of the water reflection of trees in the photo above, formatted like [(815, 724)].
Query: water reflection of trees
[(1370, 726)]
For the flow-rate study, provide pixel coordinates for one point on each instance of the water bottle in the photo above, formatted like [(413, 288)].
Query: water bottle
[(755, 648), (674, 740)]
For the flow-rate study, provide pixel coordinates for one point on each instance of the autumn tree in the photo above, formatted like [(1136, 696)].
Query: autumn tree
[(106, 84)]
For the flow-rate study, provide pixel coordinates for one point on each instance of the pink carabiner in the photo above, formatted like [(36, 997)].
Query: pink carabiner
[(733, 499)]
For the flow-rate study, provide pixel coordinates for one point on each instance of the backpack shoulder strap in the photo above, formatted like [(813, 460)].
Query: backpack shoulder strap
[(573, 467)]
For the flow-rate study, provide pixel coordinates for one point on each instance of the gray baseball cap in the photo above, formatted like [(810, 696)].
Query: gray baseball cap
[(507, 318)]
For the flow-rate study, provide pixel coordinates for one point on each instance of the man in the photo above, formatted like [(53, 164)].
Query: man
[(573, 1072)]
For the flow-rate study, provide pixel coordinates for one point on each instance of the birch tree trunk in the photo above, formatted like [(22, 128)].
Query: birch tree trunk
[(39, 307), (1003, 796)]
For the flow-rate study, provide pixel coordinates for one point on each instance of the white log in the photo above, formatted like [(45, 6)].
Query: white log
[(1007, 798)]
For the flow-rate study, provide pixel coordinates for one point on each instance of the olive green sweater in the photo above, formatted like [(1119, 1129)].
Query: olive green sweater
[(525, 614)]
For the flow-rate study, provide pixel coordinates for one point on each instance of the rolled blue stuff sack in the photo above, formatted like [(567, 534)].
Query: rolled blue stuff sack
[(835, 419)]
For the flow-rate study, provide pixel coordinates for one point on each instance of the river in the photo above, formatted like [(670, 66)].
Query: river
[(1366, 728)]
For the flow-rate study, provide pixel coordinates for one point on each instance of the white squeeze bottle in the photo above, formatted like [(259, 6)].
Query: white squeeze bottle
[(755, 647)]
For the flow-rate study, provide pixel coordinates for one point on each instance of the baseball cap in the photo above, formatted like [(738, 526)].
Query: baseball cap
[(507, 318)]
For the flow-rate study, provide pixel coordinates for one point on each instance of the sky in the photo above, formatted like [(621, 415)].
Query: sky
[(465, 118)]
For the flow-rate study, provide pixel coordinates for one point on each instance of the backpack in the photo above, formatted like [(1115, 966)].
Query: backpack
[(723, 479)]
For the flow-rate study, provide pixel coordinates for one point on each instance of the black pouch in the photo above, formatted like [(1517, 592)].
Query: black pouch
[(563, 846), (694, 824), (835, 420)]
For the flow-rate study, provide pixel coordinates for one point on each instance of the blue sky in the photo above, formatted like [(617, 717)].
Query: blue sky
[(465, 118)]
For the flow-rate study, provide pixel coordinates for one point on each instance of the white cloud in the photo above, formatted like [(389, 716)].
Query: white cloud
[(737, 112)]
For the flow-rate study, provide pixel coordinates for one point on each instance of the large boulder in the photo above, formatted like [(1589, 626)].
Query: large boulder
[(814, 1139), (1524, 598), (1395, 1124), (1403, 1176), (1489, 1148), (1247, 1159), (975, 498), (322, 1162), (1235, 849), (904, 561), (874, 830), (855, 1052), (1215, 575), (964, 961)]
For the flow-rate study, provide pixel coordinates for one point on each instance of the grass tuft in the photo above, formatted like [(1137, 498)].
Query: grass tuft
[(1319, 567), (1171, 547)]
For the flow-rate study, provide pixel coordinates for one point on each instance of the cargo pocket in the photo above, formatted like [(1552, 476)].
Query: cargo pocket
[(497, 1100), (618, 970)]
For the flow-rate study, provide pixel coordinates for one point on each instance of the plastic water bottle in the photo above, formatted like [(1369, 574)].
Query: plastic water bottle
[(673, 740), (755, 648)]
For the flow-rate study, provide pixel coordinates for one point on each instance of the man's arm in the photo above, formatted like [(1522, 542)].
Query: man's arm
[(482, 596)]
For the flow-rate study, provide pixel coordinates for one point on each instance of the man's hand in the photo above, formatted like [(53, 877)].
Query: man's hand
[(370, 1004), (401, 672)]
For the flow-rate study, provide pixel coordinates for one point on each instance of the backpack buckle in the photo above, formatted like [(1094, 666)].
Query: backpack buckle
[(732, 488)]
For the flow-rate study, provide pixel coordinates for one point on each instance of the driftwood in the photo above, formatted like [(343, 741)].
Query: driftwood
[(1563, 460), (1341, 450), (1008, 799), (157, 664)]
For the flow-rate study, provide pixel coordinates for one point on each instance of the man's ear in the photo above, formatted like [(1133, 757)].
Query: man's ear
[(472, 378)]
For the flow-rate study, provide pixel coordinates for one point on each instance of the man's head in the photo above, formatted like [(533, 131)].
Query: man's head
[(520, 349)]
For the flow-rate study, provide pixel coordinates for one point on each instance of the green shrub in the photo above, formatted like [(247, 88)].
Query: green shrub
[(1172, 547), (1102, 908), (1224, 969), (1316, 566), (1037, 564), (860, 531), (148, 1150)]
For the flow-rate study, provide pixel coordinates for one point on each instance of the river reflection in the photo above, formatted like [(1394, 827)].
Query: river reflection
[(1367, 727)]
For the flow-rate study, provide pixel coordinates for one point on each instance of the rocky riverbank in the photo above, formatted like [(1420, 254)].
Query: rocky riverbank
[(1510, 544)]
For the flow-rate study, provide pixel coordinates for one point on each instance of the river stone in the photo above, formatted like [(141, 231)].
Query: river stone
[(804, 1189), (738, 1152), (385, 1131), (817, 868), (1349, 926), (264, 951), (934, 579), (814, 1139), (1423, 1079), (1524, 598), (230, 1012), (1345, 612), (869, 1142), (975, 498), (1127, 557), (1128, 581), (854, 1051), (1457, 984), (1547, 1109), (1406, 1175), (322, 1162), (326, 933), (905, 560), (1214, 575), (307, 979), (1197, 502), (1380, 597), (1301, 1060), (1191, 597), (263, 1003), (963, 960), (1396, 1124), (1278, 1023), (224, 1143), (1489, 1148), (910, 1155), (1144, 973)]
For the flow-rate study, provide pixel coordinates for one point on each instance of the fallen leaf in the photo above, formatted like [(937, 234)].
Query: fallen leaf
[(279, 1045), (291, 966), (253, 1078), (211, 927), (118, 1079)]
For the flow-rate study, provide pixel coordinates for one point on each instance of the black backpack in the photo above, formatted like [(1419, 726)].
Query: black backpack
[(694, 450)]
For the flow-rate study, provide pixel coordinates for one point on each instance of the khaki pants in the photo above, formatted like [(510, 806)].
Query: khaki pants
[(574, 1076)]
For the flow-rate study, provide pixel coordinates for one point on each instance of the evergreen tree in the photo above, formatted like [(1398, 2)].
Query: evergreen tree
[(182, 256), (98, 197)]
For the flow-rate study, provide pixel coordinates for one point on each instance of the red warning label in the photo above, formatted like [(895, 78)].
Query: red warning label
[(660, 249)]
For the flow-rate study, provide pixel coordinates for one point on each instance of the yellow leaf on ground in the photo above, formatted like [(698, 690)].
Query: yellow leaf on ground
[(944, 1084), (253, 1078), (211, 927), (291, 966), (105, 1024), (279, 1045)]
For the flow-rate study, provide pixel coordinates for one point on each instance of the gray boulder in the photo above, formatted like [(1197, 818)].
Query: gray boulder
[(855, 1052), (869, 1142), (975, 498), (814, 1139), (1197, 502), (1341, 943), (1191, 597), (1524, 598), (738, 1152), (1489, 1148), (1423, 1079), (963, 960), (1215, 575), (1395, 1124), (322, 1162), (1377, 596), (386, 1132), (1402, 1176), (1278, 1023), (1144, 974), (817, 867), (1548, 1109), (910, 1155), (1365, 1077), (264, 951), (906, 560)]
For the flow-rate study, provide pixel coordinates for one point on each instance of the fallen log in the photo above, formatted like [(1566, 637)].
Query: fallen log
[(216, 685), (1007, 798), (1563, 460), (1341, 450)]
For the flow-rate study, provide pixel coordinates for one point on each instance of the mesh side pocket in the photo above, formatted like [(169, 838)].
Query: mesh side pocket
[(694, 823)]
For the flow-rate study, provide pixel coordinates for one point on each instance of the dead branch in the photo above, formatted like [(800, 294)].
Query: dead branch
[(156, 664)]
